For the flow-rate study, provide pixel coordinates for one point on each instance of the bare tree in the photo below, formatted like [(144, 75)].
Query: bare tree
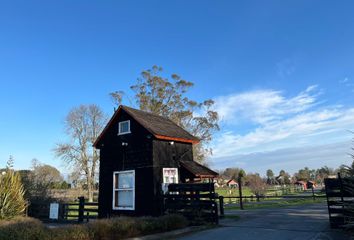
[(167, 97), (83, 125), (256, 184)]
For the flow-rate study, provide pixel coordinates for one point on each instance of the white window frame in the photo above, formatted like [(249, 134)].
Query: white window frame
[(122, 133), (164, 183), (123, 189)]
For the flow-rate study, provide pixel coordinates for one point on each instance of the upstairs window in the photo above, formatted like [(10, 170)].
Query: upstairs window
[(124, 127)]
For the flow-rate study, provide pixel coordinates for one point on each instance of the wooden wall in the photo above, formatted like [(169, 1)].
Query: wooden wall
[(166, 155), (144, 154), (136, 156)]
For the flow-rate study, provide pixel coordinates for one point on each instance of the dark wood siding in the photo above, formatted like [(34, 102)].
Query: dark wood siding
[(166, 155), (136, 156), (144, 154)]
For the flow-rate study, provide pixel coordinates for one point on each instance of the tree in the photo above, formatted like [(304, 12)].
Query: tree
[(323, 173), (270, 176), (256, 184), (12, 202), (345, 170), (83, 125), (231, 173), (283, 178), (306, 174), (167, 97)]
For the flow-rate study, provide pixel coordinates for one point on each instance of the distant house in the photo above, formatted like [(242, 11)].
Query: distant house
[(301, 184), (140, 154), (232, 183)]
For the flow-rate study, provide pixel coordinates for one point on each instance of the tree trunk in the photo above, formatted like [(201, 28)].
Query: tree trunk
[(89, 189)]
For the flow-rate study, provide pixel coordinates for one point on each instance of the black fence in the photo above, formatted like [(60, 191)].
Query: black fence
[(195, 201), (340, 200), (236, 200), (79, 211)]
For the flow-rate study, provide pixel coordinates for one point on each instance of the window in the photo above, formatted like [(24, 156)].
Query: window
[(169, 175), (124, 127), (124, 190)]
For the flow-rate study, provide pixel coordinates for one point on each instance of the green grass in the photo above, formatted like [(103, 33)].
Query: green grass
[(289, 190), (234, 192), (276, 204)]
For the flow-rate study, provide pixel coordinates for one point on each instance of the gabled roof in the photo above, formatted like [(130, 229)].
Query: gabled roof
[(198, 170), (160, 127)]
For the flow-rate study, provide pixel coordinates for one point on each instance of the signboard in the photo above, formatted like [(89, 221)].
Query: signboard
[(54, 211)]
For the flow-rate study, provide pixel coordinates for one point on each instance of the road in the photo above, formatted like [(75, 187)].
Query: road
[(308, 222)]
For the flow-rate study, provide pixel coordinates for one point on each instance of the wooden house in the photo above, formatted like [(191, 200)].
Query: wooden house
[(232, 183), (140, 154)]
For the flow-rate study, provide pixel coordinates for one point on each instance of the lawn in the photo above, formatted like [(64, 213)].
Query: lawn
[(226, 192), (276, 203)]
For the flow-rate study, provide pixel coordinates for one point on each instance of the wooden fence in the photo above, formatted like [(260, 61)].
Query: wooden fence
[(227, 200), (195, 201), (340, 200), (79, 211)]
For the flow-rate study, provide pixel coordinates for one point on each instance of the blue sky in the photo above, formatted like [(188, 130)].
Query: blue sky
[(281, 72)]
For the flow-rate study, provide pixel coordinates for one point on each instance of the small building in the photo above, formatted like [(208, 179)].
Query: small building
[(301, 184), (140, 154), (232, 183)]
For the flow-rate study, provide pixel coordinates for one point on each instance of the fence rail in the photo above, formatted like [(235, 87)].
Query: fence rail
[(226, 200), (68, 212)]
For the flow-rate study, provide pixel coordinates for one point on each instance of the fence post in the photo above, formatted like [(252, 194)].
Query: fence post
[(240, 191), (313, 194), (221, 202), (81, 209)]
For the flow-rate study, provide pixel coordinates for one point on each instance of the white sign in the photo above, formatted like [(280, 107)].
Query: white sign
[(54, 211)]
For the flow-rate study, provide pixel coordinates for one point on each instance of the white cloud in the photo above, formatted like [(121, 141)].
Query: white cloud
[(278, 122), (262, 106)]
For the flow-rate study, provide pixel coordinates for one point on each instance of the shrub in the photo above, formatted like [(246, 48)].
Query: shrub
[(24, 229), (12, 202), (103, 229), (74, 232)]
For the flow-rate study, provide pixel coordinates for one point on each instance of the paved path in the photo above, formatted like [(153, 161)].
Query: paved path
[(308, 222)]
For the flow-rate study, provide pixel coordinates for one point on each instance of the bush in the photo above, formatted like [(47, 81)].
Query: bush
[(12, 202), (23, 228), (103, 229)]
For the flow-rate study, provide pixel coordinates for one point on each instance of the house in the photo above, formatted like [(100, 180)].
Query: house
[(140, 154), (301, 184), (232, 183)]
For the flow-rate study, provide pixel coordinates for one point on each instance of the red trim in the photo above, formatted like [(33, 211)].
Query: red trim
[(176, 139)]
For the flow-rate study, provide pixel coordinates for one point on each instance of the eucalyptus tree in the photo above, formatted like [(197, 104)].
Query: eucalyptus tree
[(167, 97)]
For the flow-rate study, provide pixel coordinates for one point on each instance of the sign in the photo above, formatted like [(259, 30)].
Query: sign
[(54, 211)]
